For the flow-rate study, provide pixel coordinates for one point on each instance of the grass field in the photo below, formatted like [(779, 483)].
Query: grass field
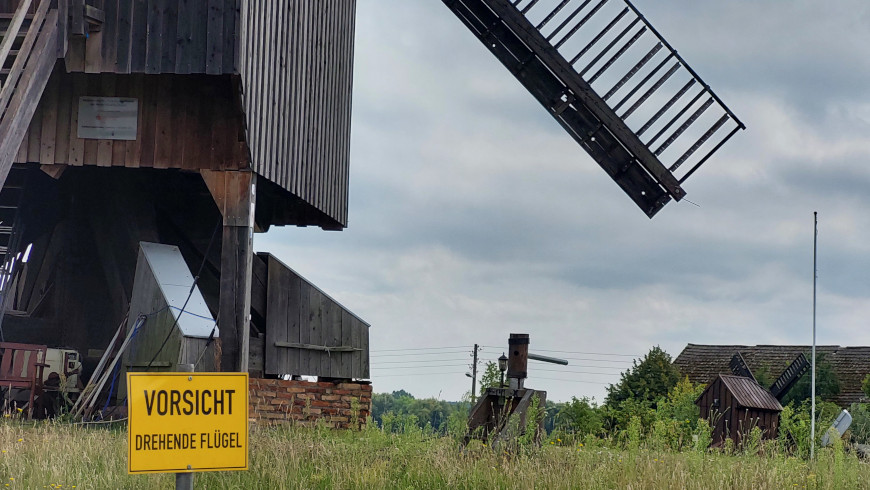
[(55, 455)]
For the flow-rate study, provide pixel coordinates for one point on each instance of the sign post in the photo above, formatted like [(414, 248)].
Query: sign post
[(187, 422)]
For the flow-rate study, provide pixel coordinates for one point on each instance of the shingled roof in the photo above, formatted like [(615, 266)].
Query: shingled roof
[(702, 363)]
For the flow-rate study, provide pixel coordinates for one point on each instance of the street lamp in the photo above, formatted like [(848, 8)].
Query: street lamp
[(502, 366)]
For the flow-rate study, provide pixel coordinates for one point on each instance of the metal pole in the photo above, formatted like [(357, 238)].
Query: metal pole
[(474, 375), (813, 382), (184, 481)]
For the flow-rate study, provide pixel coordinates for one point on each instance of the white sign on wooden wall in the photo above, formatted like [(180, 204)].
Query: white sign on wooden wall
[(108, 118)]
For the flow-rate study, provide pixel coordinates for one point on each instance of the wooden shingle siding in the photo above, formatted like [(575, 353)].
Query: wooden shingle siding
[(327, 339), (296, 63), (187, 122)]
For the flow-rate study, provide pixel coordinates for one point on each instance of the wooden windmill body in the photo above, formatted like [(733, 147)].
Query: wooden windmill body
[(192, 123)]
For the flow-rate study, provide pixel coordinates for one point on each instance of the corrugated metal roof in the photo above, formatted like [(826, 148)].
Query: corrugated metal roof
[(750, 394)]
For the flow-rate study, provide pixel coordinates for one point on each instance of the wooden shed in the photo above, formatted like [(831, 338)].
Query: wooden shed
[(734, 405), (190, 123)]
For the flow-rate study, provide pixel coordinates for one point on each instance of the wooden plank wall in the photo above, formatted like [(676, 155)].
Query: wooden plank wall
[(186, 122), (159, 36), (298, 312), (296, 64)]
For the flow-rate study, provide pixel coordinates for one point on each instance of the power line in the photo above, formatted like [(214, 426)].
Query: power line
[(575, 381), (423, 361), (577, 372), (415, 367), (422, 348), (592, 360), (418, 374), (422, 353), (574, 352)]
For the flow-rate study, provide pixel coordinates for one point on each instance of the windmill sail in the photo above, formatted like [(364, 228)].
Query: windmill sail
[(740, 368), (789, 377), (613, 83)]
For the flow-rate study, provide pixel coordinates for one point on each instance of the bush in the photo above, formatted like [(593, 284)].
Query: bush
[(794, 426), (580, 417), (860, 428)]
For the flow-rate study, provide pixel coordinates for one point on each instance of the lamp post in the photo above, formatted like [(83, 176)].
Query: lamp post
[(502, 366)]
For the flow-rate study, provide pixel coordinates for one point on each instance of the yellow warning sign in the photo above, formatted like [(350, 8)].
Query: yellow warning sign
[(181, 422)]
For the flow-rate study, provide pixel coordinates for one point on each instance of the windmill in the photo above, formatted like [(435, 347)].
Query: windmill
[(780, 388), (735, 404), (613, 83)]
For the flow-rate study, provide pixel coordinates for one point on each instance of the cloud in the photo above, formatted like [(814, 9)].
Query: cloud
[(473, 215)]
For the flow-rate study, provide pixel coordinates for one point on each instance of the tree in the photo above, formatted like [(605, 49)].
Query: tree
[(646, 381), (491, 377), (865, 385), (581, 416)]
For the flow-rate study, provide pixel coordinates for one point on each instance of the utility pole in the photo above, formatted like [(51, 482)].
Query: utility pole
[(474, 374)]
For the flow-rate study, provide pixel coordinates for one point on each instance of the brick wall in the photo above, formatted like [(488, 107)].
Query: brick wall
[(338, 405)]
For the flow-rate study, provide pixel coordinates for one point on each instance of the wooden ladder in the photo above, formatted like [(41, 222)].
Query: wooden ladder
[(28, 53)]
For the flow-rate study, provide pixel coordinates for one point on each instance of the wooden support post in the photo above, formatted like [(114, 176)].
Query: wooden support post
[(518, 360), (234, 192)]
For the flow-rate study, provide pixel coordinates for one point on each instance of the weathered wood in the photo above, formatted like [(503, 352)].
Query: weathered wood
[(155, 39), (139, 36), (518, 359), (47, 134), (296, 75), (346, 370), (24, 54), (320, 348), (233, 193), (12, 30), (315, 326), (164, 123), (23, 103), (169, 48), (124, 31), (308, 332), (214, 37), (93, 52), (77, 24)]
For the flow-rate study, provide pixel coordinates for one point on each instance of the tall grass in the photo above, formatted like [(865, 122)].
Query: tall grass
[(44, 454)]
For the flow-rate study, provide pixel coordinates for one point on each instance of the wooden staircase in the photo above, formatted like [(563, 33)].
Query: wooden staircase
[(28, 53), (29, 50)]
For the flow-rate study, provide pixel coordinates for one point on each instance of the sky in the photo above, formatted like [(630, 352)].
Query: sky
[(473, 215)]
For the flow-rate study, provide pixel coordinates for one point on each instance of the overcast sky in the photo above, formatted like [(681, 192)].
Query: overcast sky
[(474, 215)]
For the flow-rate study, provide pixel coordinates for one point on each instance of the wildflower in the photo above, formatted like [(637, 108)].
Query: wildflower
[(4, 450), (19, 440), (581, 444), (558, 440), (551, 442), (20, 410)]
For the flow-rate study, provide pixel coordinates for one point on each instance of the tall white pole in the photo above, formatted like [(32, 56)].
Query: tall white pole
[(813, 382)]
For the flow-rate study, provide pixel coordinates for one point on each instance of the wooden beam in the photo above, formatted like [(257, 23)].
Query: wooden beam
[(23, 104), (233, 193), (322, 348), (12, 30)]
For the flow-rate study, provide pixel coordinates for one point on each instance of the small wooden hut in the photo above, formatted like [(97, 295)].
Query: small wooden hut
[(734, 405)]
